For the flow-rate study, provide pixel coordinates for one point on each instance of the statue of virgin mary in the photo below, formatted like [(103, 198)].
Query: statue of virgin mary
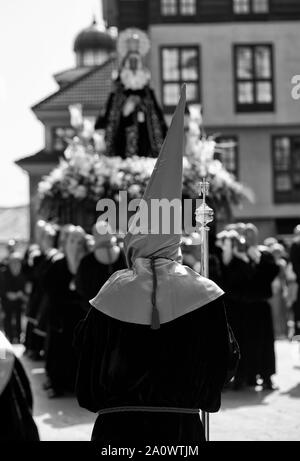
[(133, 120)]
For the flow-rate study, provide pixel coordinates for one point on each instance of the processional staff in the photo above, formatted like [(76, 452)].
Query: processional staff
[(204, 216)]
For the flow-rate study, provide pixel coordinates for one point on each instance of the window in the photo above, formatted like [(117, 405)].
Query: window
[(250, 7), (227, 153), (260, 6), (254, 78), (286, 167), (60, 136), (241, 6), (169, 7), (179, 65), (178, 7), (187, 7)]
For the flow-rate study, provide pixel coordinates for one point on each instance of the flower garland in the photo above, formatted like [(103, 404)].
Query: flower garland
[(86, 175)]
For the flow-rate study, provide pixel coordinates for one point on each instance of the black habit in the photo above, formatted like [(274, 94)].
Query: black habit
[(92, 275), (182, 365), (16, 421)]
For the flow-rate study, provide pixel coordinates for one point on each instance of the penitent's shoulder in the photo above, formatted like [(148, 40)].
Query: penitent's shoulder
[(210, 312)]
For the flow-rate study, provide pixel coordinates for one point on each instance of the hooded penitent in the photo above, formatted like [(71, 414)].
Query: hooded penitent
[(156, 288), (7, 360)]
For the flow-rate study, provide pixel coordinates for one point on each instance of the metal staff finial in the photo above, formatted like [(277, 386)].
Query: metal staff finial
[(204, 216)]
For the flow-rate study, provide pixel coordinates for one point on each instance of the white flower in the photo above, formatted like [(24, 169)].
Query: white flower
[(44, 187), (80, 192), (99, 140), (85, 168), (195, 113), (57, 174), (215, 167), (88, 129), (117, 178), (76, 115), (194, 129), (72, 183), (134, 190)]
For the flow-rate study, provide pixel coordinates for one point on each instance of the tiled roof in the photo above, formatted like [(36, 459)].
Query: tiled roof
[(40, 157), (70, 75), (91, 90)]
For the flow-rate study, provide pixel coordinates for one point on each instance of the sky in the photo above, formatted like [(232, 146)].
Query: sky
[(36, 41)]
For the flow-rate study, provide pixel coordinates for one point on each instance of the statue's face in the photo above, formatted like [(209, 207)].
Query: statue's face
[(133, 62)]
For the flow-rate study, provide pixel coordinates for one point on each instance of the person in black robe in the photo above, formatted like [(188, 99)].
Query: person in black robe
[(16, 402), (33, 262), (51, 254), (13, 297), (295, 260), (182, 366), (96, 267), (133, 121), (260, 339), (155, 347), (65, 311), (237, 274)]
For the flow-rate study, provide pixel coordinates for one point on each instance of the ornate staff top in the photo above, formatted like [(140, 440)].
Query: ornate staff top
[(204, 214)]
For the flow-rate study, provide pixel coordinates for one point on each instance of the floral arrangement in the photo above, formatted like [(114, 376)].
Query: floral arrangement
[(87, 175), (91, 177)]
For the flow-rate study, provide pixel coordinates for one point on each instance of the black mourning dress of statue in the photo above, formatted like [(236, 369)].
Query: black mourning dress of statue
[(133, 121)]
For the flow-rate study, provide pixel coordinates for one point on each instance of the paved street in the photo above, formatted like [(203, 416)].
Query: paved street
[(252, 415)]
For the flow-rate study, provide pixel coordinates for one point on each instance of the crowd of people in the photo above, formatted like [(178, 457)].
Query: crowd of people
[(53, 282), (261, 283)]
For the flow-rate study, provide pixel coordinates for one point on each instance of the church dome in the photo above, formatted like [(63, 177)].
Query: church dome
[(94, 38)]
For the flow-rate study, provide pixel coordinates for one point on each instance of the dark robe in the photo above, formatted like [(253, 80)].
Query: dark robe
[(12, 309), (260, 331), (42, 316), (16, 421), (32, 271), (184, 364), (237, 277), (295, 260), (92, 275), (140, 133), (64, 314)]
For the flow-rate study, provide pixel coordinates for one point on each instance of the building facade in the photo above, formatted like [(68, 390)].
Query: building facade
[(89, 84), (238, 58)]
